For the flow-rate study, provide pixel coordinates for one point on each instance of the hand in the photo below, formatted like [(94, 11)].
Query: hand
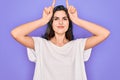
[(48, 12), (72, 12)]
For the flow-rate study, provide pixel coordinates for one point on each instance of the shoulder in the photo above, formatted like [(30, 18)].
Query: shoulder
[(39, 39), (80, 40)]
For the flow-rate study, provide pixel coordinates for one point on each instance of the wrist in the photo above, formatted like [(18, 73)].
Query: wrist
[(43, 21), (76, 20)]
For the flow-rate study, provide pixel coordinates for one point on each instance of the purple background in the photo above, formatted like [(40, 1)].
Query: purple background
[(104, 63)]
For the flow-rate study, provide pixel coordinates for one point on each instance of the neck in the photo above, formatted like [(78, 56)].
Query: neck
[(59, 39)]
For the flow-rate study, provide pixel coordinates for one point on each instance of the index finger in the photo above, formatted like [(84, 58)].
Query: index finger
[(67, 4), (53, 3)]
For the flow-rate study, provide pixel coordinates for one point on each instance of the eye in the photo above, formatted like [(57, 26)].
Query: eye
[(65, 18), (55, 18)]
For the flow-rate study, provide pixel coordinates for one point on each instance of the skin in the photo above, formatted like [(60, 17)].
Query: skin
[(60, 22), (60, 26), (21, 32), (99, 33)]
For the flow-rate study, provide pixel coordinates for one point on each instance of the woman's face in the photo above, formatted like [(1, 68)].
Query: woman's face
[(60, 22)]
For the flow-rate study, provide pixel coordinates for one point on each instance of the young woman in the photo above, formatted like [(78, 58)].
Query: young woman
[(58, 56)]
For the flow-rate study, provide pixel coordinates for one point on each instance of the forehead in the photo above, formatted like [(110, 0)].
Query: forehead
[(60, 13)]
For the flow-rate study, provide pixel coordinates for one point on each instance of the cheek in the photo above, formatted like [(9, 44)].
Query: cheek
[(66, 24), (55, 24)]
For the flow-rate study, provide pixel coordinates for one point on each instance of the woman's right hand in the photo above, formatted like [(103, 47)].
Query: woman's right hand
[(48, 12)]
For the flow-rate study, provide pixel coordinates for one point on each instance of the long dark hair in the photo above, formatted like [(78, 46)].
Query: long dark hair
[(50, 32)]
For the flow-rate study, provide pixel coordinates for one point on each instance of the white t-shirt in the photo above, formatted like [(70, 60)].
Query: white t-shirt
[(59, 63)]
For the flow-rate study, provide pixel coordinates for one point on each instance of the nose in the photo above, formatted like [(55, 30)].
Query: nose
[(60, 22)]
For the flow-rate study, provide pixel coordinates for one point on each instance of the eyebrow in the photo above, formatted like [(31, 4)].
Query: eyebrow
[(58, 17)]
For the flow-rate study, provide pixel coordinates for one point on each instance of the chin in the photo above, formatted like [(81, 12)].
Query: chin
[(60, 32)]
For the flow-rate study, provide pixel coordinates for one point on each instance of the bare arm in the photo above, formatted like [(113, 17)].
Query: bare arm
[(99, 32), (21, 32)]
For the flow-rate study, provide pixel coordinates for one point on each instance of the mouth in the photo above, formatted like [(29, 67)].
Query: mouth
[(60, 27)]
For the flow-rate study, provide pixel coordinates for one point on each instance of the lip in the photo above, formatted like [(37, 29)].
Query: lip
[(60, 27)]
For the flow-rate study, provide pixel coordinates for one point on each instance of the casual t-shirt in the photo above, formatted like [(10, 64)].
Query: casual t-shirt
[(59, 63)]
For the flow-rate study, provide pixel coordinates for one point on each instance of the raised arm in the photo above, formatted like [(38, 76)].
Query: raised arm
[(99, 32), (21, 32)]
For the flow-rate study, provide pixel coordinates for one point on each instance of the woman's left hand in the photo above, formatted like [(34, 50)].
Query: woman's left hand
[(72, 12)]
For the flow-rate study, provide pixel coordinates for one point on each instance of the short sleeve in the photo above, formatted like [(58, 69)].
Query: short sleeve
[(86, 53), (33, 53), (81, 45)]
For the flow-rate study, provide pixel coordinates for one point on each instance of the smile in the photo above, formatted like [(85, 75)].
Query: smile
[(60, 27)]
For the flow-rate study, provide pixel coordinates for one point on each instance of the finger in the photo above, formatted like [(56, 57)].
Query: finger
[(51, 9), (69, 9), (73, 9), (67, 4), (53, 3), (46, 10)]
